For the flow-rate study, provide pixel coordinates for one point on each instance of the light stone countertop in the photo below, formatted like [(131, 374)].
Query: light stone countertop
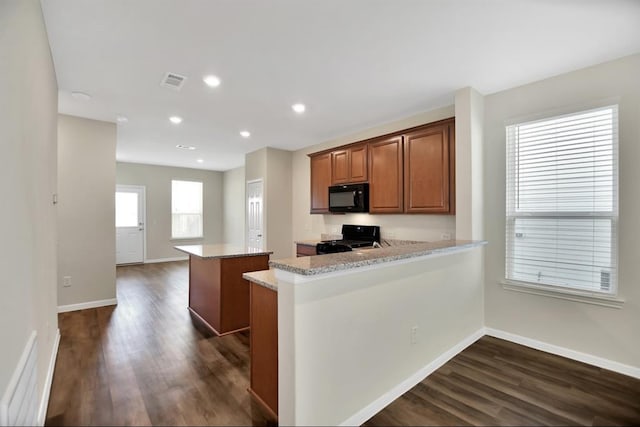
[(307, 242), (319, 264), (266, 278), (221, 250)]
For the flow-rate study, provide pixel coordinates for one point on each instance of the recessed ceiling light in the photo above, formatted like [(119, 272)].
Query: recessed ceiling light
[(298, 108), (199, 160), (245, 134), (122, 119), (176, 120), (81, 96), (211, 80), (185, 147)]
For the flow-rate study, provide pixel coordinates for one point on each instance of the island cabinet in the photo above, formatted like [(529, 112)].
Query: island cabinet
[(320, 182), (218, 294), (428, 167), (349, 165), (386, 175)]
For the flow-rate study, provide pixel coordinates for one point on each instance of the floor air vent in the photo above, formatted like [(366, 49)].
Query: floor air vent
[(173, 81)]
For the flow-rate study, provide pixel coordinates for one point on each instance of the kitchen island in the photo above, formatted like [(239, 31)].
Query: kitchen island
[(355, 330), (218, 295)]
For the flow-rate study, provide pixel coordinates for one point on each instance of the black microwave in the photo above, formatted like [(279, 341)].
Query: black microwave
[(349, 198)]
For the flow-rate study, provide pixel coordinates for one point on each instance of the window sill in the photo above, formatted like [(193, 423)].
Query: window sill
[(566, 294)]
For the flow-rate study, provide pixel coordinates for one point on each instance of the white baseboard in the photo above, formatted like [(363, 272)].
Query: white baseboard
[(44, 401), (88, 304), (177, 258), (380, 403), (600, 362)]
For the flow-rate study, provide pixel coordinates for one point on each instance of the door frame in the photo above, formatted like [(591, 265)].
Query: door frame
[(246, 212), (143, 214)]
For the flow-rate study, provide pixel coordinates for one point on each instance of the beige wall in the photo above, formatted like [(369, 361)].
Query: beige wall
[(273, 166), (234, 189), (86, 210), (353, 329), (278, 200), (600, 331), (418, 227), (157, 180), (28, 122)]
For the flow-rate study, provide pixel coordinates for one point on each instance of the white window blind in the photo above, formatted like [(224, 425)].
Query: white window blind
[(186, 209), (562, 201)]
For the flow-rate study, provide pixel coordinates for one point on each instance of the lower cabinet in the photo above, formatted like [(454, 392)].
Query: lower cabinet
[(305, 250), (264, 347)]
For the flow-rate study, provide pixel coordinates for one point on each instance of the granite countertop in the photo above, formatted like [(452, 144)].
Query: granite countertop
[(319, 264), (221, 250), (266, 278), (307, 242)]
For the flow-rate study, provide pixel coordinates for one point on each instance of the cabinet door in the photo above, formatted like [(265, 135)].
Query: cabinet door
[(426, 170), (358, 163), (320, 182), (340, 167), (385, 175)]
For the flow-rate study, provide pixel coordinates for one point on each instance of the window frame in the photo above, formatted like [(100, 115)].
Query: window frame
[(201, 213), (606, 298)]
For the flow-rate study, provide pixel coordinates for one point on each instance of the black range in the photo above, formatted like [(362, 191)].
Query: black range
[(353, 236)]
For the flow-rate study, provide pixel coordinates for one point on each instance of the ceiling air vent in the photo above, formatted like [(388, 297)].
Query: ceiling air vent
[(173, 81)]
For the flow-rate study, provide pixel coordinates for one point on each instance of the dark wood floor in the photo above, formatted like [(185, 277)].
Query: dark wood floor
[(143, 362)]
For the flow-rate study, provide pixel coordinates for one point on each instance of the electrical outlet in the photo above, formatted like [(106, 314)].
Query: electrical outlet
[(414, 334), (66, 281), (445, 236)]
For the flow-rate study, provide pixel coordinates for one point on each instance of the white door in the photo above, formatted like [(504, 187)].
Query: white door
[(254, 214), (129, 224)]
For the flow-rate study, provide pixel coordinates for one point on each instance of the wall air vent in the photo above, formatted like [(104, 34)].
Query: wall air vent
[(173, 81)]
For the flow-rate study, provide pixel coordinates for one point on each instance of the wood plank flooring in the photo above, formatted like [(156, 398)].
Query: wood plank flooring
[(495, 382), (144, 362)]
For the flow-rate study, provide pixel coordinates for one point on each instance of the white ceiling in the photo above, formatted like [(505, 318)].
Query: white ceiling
[(354, 63)]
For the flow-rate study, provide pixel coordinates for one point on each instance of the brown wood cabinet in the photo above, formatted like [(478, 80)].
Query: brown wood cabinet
[(264, 347), (410, 171), (427, 162), (349, 165), (386, 175), (305, 250), (218, 295), (320, 182)]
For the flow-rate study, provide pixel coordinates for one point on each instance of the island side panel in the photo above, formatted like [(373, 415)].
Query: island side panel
[(234, 295), (264, 346), (204, 290)]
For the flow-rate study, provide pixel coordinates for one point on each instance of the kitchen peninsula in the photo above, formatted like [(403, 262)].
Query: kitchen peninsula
[(218, 295), (357, 329)]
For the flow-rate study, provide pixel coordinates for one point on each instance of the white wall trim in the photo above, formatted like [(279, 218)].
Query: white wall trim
[(44, 401), (22, 386), (380, 403), (157, 260), (88, 304), (600, 362)]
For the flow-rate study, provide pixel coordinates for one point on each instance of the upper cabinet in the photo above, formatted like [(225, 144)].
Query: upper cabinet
[(320, 182), (410, 171), (349, 165), (427, 166), (385, 175)]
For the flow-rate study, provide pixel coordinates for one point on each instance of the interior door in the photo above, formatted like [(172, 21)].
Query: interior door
[(255, 214), (130, 224)]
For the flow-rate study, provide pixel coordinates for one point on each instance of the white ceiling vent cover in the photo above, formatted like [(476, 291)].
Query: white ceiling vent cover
[(173, 81)]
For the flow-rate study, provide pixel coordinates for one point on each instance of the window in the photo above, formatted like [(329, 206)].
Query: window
[(562, 201), (186, 209)]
